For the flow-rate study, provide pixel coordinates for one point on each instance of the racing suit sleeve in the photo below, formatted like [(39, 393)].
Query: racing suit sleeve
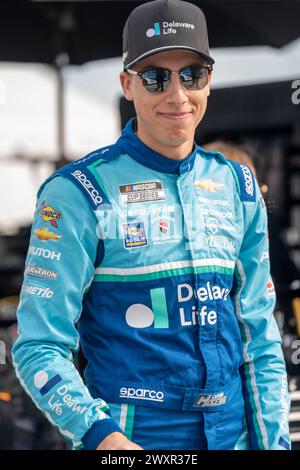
[(263, 369), (58, 271)]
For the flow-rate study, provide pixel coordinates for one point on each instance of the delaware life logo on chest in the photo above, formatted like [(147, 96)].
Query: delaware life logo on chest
[(156, 314)]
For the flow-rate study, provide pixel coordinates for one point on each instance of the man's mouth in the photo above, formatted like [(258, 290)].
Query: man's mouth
[(175, 116)]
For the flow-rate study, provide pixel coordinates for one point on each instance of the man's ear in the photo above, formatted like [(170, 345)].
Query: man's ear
[(126, 84)]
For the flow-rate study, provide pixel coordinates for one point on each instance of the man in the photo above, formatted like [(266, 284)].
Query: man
[(149, 253)]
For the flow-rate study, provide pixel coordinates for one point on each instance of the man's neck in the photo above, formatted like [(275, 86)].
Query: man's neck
[(175, 152)]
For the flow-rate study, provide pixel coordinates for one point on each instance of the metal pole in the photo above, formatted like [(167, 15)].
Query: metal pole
[(61, 60)]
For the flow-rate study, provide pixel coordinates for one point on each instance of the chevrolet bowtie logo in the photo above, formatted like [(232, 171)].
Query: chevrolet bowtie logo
[(209, 185)]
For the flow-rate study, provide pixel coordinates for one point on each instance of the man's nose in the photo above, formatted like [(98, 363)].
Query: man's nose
[(176, 92)]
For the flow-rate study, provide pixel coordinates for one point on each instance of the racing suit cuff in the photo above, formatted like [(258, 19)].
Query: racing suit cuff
[(98, 431)]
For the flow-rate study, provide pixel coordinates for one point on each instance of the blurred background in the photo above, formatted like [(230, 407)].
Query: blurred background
[(60, 98)]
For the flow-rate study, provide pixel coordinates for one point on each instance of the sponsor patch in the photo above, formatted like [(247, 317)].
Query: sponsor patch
[(186, 292), (163, 230), (44, 234), (270, 289), (61, 399), (141, 394), (37, 290), (209, 185), (146, 191), (213, 202), (39, 272), (134, 234), (265, 256), (201, 317), (222, 243), (87, 184), (217, 213), (44, 253), (49, 214), (214, 226), (163, 227), (43, 383), (217, 399), (246, 181)]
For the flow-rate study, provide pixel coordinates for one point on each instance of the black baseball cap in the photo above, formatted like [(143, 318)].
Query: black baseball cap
[(162, 25)]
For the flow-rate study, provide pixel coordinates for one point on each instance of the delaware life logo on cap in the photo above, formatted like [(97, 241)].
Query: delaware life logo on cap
[(153, 31), (167, 28)]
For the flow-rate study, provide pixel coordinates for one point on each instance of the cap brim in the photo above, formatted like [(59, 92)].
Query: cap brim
[(209, 59)]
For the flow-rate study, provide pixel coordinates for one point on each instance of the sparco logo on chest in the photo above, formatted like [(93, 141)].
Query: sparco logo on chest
[(141, 394)]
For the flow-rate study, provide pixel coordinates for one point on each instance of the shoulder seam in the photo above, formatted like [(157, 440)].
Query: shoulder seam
[(216, 155)]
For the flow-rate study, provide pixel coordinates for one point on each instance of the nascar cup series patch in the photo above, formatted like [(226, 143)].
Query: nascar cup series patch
[(134, 234), (142, 192)]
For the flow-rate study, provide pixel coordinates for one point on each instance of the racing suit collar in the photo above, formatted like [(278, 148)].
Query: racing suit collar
[(146, 156)]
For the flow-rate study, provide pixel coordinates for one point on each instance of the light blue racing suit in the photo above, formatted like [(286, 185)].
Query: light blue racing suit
[(160, 268)]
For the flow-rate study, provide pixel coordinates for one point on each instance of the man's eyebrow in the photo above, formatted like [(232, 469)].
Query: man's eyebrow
[(151, 66)]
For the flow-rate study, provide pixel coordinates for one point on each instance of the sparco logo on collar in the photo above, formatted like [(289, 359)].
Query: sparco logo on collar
[(248, 180), (88, 186), (211, 400), (168, 28), (141, 394), (142, 192)]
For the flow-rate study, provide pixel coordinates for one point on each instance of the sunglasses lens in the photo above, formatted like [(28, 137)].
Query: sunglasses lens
[(187, 77), (156, 80), (194, 78)]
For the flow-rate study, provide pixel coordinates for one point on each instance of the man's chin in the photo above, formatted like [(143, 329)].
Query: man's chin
[(182, 133), (175, 139)]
